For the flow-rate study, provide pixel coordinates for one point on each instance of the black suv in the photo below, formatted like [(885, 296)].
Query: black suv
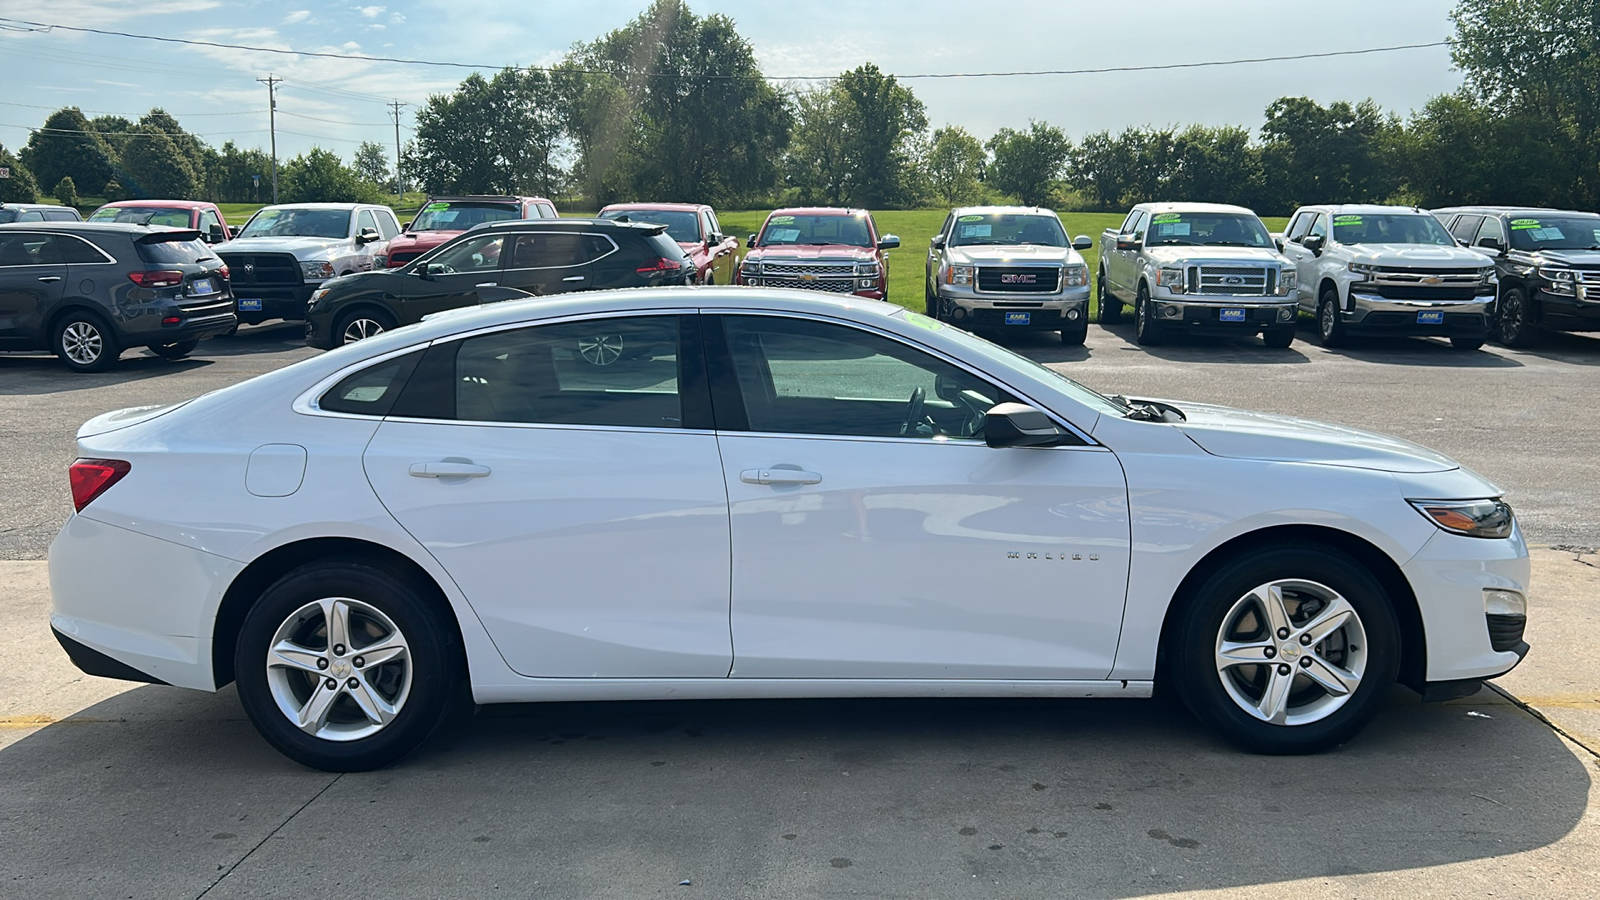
[(496, 261), (1548, 261), (89, 290), (37, 212)]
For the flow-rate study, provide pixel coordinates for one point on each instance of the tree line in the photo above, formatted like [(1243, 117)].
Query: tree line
[(673, 106)]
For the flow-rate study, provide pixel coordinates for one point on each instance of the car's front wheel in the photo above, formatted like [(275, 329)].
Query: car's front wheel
[(1290, 649), (1110, 308), (1146, 330), (1330, 327), (1513, 323), (360, 324), (1075, 333), (346, 667)]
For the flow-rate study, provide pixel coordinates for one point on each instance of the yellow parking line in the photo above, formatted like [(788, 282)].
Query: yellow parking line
[(25, 721)]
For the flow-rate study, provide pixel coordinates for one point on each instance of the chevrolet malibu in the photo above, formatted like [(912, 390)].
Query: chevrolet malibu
[(712, 492)]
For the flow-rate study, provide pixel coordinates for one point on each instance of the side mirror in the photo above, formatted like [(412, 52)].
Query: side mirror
[(1278, 242), (937, 242), (368, 235), (216, 235), (751, 242), (1019, 425), (1127, 242), (1313, 242), (713, 239), (435, 269), (888, 242), (1082, 242), (406, 227), (1491, 244)]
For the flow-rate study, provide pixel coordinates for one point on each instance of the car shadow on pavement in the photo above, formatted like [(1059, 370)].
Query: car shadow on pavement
[(41, 374), (159, 792), (272, 337), (1563, 346), (1421, 351), (1197, 348)]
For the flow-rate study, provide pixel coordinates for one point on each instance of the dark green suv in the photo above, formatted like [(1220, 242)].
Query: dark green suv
[(496, 261)]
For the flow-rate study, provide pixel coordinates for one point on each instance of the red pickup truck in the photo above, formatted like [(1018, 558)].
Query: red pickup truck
[(694, 226), (820, 249), (442, 218), (203, 217)]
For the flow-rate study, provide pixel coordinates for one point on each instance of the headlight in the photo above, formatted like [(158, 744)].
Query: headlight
[(379, 261), (867, 269), (1364, 270), (1077, 276), (751, 267), (317, 270), (1171, 279), (1562, 281), (958, 275), (1287, 279), (1490, 518)]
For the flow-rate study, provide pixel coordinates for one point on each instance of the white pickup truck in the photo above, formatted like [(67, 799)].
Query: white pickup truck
[(284, 253), (1202, 267), (1388, 270)]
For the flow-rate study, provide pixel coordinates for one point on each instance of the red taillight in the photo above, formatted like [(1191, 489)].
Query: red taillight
[(162, 278), (660, 265), (91, 477)]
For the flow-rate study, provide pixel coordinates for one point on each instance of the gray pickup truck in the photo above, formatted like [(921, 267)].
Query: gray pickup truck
[(1008, 268), (1202, 267)]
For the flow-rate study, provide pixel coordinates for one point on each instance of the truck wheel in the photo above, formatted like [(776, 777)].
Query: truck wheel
[(1279, 337), (931, 303), (1513, 327), (1461, 343), (85, 343), (1075, 333), (174, 351), (1146, 330), (1330, 328), (1110, 307)]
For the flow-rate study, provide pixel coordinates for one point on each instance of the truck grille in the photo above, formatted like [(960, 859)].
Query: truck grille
[(261, 270), (1019, 279), (1426, 292), (404, 256), (834, 285), (1237, 281), (819, 269)]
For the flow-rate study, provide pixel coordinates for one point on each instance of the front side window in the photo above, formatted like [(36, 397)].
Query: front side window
[(1008, 228), (208, 220), (797, 376), (816, 230), (365, 221), (1491, 229), (1207, 229), (1465, 228), (1300, 225), (477, 254), (1389, 228), (1136, 227), (1319, 227)]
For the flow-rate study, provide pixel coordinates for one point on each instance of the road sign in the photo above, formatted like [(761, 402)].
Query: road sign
[(5, 171)]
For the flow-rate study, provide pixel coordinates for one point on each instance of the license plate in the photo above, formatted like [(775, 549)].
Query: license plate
[(202, 286), (1231, 315), (249, 306), (1019, 318), (1430, 318)]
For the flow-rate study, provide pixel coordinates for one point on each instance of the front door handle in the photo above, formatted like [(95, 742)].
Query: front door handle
[(50, 279), (487, 284), (448, 470), (779, 476), (573, 278)]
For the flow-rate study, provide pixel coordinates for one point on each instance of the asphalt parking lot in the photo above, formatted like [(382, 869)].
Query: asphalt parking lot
[(109, 789)]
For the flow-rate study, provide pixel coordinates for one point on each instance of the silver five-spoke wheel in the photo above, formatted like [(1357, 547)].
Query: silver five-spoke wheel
[(361, 328), (1291, 652), (339, 669)]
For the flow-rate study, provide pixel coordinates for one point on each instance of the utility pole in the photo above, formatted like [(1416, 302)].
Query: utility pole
[(271, 81), (399, 184)]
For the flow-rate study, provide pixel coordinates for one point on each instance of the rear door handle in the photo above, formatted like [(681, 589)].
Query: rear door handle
[(448, 470), (50, 279), (779, 476), (573, 278)]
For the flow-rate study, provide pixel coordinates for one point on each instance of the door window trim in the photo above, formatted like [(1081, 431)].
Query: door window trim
[(607, 237)]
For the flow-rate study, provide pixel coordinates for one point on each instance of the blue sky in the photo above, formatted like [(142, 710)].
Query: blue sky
[(336, 104)]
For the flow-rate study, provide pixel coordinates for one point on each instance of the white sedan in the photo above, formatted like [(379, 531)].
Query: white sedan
[(701, 493)]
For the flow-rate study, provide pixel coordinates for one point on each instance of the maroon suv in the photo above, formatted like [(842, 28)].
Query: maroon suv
[(694, 226), (820, 249), (442, 218)]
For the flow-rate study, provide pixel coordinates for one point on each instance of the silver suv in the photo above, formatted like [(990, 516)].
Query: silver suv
[(1010, 268)]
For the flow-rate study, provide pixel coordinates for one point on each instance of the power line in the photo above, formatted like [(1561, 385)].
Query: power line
[(46, 27)]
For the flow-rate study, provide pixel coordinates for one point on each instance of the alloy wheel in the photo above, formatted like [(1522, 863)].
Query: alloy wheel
[(1291, 652), (601, 350), (361, 328), (82, 342), (339, 669)]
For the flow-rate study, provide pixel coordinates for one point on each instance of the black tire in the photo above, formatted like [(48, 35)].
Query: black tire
[(85, 342), (1075, 333), (1279, 337), (1330, 327), (360, 324), (1463, 343), (930, 303), (174, 351), (432, 671), (1146, 330), (1514, 325), (711, 278), (1219, 697), (1110, 308)]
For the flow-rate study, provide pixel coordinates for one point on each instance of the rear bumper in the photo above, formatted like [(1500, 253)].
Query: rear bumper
[(276, 302)]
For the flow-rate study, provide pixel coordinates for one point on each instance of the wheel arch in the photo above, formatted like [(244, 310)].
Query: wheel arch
[(367, 305), (266, 569), (1326, 282), (1413, 642), (72, 305)]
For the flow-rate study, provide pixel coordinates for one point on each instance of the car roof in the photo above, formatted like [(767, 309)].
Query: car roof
[(185, 204), (1179, 206), (34, 206), (1512, 210), (566, 224), (679, 207), (484, 198), (1002, 210), (1360, 208), (818, 211), (345, 207)]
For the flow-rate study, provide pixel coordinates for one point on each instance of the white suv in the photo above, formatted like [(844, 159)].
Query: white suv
[(1388, 270)]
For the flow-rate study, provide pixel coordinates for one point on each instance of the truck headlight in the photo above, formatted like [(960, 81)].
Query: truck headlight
[(1363, 271), (1488, 518), (1171, 279), (1077, 276), (1562, 281), (316, 270), (751, 267), (867, 269), (958, 275), (1287, 279)]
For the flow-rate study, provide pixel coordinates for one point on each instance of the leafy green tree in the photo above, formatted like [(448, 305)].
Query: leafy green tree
[(882, 120), (193, 151), (1214, 165), (1028, 163), (114, 131), (371, 162), (154, 168), (953, 166), (1459, 150), (20, 187), (114, 191), (1097, 169), (320, 177), (66, 193), (65, 146), (1327, 154), (490, 136), (817, 161), (231, 172)]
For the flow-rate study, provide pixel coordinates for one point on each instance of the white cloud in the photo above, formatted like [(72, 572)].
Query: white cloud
[(371, 12), (296, 17)]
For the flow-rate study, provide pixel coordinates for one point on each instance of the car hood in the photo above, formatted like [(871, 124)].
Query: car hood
[(1241, 434), (1175, 254), (301, 247), (1420, 255), (427, 238), (821, 251), (991, 254), (1585, 258)]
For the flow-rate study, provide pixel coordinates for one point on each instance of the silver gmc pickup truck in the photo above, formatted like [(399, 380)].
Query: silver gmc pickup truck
[(1008, 268), (1202, 267)]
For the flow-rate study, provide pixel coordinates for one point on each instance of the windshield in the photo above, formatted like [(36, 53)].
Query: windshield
[(1390, 228), (683, 225), (816, 230), (449, 216), (1207, 230), (171, 216), (321, 223), (1007, 228), (1555, 233)]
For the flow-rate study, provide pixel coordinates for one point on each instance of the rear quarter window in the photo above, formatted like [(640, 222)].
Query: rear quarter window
[(373, 390)]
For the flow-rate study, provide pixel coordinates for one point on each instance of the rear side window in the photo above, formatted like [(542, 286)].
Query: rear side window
[(549, 250), (181, 251), (373, 390), (77, 250), (29, 249), (1466, 227)]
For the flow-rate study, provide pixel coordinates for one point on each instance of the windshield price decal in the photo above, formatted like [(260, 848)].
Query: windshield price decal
[(1347, 220), (1167, 217), (1521, 224), (436, 207), (970, 219), (782, 220)]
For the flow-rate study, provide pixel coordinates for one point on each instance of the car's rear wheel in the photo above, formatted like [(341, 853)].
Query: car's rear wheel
[(360, 324), (1330, 328), (1110, 311), (1290, 649), (85, 343), (176, 350), (1513, 327), (346, 667), (1146, 330)]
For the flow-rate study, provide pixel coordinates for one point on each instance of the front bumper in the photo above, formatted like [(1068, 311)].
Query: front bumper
[(1456, 318), (1464, 642), (1040, 312), (259, 303), (1224, 315)]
